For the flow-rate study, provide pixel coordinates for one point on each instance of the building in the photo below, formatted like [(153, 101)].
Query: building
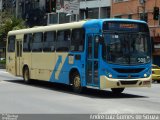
[(40, 12), (33, 10), (95, 8), (141, 10), (45, 12)]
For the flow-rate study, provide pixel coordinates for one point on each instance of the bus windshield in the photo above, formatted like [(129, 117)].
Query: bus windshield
[(126, 48)]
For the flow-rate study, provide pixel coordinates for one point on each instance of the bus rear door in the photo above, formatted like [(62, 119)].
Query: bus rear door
[(18, 55), (92, 61)]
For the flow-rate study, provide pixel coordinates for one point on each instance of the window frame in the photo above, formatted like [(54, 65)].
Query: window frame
[(82, 31), (14, 47), (63, 48), (40, 41), (29, 42), (54, 40)]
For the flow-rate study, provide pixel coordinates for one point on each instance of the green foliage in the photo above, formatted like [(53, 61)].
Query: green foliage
[(2, 61), (8, 23)]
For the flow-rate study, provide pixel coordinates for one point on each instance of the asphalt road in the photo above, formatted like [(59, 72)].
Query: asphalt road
[(49, 98)]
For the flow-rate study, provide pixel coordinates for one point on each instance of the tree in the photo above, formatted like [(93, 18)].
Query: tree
[(8, 23)]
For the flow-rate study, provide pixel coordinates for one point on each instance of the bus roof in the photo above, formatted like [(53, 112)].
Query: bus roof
[(127, 20), (72, 25), (100, 21), (49, 28)]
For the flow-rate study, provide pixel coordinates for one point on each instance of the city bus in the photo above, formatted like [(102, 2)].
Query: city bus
[(100, 53)]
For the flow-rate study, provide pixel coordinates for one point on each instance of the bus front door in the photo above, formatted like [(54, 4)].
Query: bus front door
[(18, 57), (92, 62)]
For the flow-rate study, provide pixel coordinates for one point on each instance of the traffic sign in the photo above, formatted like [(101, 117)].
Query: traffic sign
[(58, 6), (71, 7)]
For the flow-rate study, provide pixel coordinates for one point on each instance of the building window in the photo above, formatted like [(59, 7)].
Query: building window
[(93, 13), (49, 43), (27, 42), (130, 16), (53, 18), (11, 43), (118, 16), (63, 18), (63, 41), (144, 17), (37, 42), (77, 41), (120, 1)]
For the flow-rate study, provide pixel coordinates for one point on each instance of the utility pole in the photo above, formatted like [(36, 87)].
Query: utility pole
[(143, 3), (144, 9), (17, 1)]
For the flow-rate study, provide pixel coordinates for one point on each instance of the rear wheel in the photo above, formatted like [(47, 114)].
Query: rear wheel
[(26, 75), (77, 83), (117, 90)]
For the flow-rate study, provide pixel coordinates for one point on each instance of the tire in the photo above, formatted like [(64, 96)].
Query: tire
[(26, 76), (77, 88), (117, 90)]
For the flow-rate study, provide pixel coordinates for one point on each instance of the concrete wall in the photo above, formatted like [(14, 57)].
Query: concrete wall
[(95, 4)]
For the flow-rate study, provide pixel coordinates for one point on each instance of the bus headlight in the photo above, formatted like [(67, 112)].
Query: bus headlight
[(110, 75), (145, 75)]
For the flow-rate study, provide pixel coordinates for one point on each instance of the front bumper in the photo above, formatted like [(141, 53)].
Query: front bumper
[(106, 82)]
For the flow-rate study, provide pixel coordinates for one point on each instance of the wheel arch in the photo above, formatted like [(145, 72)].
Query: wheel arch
[(24, 67), (72, 72)]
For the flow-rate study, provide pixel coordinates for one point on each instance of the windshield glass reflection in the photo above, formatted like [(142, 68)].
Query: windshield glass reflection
[(126, 48)]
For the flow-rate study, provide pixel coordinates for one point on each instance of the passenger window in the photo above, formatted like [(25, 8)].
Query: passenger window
[(37, 43), (11, 43), (63, 41), (77, 41), (27, 42), (49, 41)]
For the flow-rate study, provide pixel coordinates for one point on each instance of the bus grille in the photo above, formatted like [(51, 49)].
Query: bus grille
[(129, 82), (137, 70), (126, 76)]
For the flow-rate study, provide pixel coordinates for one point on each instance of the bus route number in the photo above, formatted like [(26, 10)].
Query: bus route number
[(141, 60)]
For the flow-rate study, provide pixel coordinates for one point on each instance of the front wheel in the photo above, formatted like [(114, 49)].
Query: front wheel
[(117, 90), (77, 83)]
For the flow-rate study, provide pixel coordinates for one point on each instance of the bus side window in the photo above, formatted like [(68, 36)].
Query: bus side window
[(27, 42), (63, 41), (49, 43), (11, 43), (77, 40), (37, 42)]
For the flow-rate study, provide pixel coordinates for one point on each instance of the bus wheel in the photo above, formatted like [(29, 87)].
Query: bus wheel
[(26, 75), (117, 90), (77, 83)]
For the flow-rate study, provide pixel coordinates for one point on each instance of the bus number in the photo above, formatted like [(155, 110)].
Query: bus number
[(142, 60)]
